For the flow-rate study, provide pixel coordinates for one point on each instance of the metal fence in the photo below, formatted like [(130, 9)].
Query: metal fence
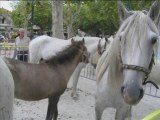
[(9, 50), (89, 73)]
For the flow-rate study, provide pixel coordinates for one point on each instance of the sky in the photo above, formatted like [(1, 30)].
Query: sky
[(6, 4)]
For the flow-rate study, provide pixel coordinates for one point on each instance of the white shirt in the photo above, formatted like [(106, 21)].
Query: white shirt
[(22, 44)]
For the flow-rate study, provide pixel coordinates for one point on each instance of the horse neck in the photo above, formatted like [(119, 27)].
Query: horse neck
[(69, 67)]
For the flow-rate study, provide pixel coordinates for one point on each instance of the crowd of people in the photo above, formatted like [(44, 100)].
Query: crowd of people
[(9, 35)]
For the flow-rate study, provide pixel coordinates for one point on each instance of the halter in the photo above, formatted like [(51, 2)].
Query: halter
[(141, 69)]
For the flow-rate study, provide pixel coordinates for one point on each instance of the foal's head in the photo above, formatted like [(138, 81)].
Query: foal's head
[(83, 49), (138, 36)]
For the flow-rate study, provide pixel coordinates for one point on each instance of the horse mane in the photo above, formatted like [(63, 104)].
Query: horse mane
[(139, 21), (67, 54)]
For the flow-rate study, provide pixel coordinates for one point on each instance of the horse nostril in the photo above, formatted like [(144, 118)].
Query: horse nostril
[(141, 93), (122, 89)]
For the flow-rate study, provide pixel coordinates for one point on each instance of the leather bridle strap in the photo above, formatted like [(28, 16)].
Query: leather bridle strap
[(141, 69), (138, 68)]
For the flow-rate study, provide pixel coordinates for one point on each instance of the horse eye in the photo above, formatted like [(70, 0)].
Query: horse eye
[(154, 40)]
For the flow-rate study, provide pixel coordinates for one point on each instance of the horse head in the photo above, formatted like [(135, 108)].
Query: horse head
[(102, 46), (137, 37), (83, 49)]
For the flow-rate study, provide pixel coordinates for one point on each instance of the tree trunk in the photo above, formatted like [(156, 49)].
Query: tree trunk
[(72, 18), (70, 30), (57, 19)]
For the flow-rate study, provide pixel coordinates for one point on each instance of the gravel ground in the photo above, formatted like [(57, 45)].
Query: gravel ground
[(80, 109)]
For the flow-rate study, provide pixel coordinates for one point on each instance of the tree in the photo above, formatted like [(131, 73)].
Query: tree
[(57, 19), (71, 11), (99, 17), (93, 17), (42, 14), (19, 17)]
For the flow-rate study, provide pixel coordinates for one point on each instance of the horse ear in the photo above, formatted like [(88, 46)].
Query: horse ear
[(99, 41), (154, 12), (72, 41), (83, 41), (123, 12)]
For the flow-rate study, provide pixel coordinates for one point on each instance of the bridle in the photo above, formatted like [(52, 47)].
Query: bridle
[(139, 68)]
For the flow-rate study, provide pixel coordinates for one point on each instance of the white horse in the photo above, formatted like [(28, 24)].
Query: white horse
[(121, 71), (155, 74), (44, 47), (6, 92)]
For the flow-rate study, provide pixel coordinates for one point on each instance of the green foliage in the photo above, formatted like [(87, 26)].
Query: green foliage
[(19, 14), (4, 11), (95, 18), (138, 4), (102, 16), (99, 17), (42, 14)]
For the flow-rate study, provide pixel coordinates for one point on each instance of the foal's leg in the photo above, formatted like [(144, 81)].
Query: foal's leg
[(52, 111), (123, 112)]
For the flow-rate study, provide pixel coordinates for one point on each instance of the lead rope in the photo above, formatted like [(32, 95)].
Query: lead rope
[(129, 112)]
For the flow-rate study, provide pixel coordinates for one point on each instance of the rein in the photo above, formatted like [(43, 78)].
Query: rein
[(141, 69)]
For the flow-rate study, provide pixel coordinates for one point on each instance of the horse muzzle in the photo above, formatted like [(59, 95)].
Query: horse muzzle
[(131, 95)]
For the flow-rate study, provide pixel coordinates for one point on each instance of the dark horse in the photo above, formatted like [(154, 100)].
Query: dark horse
[(49, 79)]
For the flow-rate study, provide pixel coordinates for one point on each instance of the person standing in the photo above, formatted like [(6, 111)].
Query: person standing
[(21, 44), (10, 34)]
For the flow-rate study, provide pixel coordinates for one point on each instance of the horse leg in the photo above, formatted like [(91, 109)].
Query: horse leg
[(75, 77), (123, 112), (52, 111), (99, 108)]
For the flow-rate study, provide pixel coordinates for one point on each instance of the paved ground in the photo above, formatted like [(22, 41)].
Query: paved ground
[(81, 109)]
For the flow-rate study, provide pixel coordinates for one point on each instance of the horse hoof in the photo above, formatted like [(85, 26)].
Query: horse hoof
[(74, 96)]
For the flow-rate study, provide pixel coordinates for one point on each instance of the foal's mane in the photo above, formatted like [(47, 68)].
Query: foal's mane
[(67, 54), (136, 23)]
